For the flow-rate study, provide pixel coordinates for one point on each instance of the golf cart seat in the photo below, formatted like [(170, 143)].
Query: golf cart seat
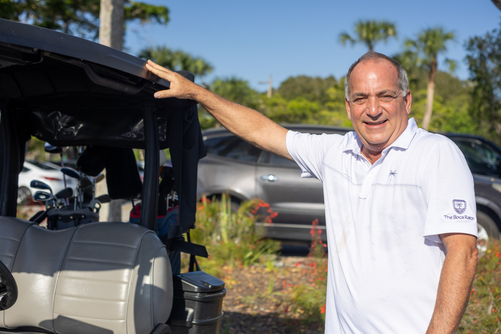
[(94, 278)]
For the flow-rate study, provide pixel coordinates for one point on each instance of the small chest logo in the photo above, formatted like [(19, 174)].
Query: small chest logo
[(459, 205)]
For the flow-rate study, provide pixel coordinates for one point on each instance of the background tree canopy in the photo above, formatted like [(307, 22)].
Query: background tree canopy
[(177, 60), (466, 106), (484, 62), (75, 17)]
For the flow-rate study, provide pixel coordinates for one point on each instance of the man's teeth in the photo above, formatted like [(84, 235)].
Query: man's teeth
[(375, 123)]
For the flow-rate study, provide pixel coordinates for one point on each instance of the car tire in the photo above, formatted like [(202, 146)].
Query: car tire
[(234, 206), (23, 195), (487, 230)]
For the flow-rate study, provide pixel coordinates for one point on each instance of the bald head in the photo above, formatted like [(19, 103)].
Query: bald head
[(403, 82)]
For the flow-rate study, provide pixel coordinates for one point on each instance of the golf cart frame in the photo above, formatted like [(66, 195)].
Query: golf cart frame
[(72, 92)]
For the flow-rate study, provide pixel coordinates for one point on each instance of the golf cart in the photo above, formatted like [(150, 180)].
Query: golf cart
[(87, 276)]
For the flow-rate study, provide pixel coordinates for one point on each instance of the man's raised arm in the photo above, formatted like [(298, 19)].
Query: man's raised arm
[(248, 124)]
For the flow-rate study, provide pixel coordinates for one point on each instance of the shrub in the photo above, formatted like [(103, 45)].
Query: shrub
[(231, 237), (309, 300)]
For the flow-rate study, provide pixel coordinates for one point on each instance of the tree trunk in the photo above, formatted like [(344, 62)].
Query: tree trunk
[(111, 28), (430, 92), (111, 32)]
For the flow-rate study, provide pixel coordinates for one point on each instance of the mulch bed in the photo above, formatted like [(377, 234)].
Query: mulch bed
[(257, 300)]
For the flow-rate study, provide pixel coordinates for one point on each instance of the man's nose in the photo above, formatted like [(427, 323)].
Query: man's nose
[(373, 106)]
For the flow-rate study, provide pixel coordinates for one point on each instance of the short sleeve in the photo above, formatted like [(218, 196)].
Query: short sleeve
[(309, 150), (449, 191)]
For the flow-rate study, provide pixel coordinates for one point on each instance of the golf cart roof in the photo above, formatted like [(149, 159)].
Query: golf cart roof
[(71, 91)]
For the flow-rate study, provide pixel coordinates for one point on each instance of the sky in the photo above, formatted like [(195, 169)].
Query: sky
[(253, 40)]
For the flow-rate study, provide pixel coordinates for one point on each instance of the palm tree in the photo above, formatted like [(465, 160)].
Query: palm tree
[(497, 3), (177, 60), (369, 33), (429, 44)]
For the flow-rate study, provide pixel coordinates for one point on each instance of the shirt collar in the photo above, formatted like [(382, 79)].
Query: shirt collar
[(403, 141)]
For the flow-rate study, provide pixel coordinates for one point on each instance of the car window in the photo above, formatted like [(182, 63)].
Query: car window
[(232, 147), (481, 158), (273, 159)]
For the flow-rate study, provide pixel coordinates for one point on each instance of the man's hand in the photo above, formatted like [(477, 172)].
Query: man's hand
[(455, 282), (180, 87), (248, 124)]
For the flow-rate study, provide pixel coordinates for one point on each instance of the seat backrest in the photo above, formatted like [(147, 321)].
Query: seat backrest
[(95, 278)]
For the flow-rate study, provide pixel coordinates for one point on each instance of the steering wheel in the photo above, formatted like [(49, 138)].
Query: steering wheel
[(8, 288)]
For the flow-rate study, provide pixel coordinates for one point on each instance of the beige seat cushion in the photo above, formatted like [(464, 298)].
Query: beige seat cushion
[(95, 278)]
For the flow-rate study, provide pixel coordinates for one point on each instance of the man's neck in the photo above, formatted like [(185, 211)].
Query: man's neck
[(371, 155)]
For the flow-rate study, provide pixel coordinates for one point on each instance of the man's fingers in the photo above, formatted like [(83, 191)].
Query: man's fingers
[(158, 70), (162, 94), (162, 73), (180, 87), (156, 66)]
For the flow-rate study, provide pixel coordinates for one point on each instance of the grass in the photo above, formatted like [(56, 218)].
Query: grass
[(483, 312)]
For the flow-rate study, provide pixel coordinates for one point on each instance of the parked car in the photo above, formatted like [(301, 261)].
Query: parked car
[(46, 172), (245, 172)]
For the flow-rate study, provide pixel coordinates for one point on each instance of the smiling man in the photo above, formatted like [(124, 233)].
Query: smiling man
[(400, 206)]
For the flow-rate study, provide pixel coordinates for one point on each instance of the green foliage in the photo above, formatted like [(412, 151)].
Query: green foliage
[(310, 88), (35, 150), (430, 43), (307, 100), (75, 17), (423, 51), (231, 237), (146, 13), (236, 90), (369, 33), (484, 63), (449, 115), (483, 312), (298, 110), (177, 60), (233, 89), (310, 299)]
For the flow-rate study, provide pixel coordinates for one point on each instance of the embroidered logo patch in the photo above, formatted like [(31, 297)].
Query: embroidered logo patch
[(459, 205)]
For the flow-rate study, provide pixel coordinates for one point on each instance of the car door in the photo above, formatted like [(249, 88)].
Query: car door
[(297, 201), (229, 167)]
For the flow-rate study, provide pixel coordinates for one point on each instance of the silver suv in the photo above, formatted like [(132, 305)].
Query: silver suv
[(245, 172)]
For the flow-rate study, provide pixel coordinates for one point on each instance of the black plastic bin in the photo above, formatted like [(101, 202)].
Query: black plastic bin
[(198, 304)]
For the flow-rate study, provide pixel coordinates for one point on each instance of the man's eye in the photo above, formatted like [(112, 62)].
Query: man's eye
[(387, 98), (359, 100)]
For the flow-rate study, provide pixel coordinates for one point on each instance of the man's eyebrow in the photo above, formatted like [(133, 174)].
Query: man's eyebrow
[(386, 91), (359, 95)]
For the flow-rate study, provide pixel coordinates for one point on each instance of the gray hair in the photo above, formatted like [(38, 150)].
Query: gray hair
[(403, 82)]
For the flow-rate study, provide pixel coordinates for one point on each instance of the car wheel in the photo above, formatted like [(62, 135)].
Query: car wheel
[(234, 206), (487, 229), (23, 195)]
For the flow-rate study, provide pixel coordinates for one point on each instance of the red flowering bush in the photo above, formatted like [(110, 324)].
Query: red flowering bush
[(231, 237), (309, 300)]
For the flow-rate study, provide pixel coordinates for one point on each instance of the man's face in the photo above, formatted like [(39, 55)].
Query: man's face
[(377, 109)]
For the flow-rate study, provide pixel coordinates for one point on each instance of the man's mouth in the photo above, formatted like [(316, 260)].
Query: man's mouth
[(376, 123)]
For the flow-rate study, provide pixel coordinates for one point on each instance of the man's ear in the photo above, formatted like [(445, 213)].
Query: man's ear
[(347, 108), (408, 102)]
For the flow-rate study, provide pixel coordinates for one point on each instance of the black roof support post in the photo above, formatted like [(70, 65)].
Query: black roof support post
[(149, 201), (10, 162)]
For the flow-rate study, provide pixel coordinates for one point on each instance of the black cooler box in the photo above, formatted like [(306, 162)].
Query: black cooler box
[(198, 304)]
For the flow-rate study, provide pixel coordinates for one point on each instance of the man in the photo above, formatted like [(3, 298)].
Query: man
[(400, 206)]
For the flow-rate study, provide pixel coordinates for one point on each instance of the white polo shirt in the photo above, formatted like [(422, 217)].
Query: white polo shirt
[(383, 222)]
